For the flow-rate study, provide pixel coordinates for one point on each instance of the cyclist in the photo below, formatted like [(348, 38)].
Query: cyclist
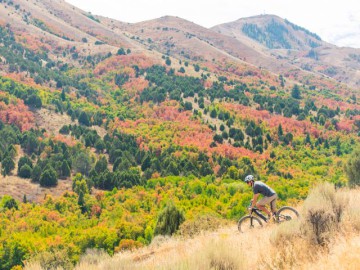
[(269, 196)]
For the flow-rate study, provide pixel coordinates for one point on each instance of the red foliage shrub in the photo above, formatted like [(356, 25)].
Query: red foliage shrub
[(17, 113)]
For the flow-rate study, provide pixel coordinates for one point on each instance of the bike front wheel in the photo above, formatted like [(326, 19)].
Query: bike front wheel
[(248, 223), (286, 213)]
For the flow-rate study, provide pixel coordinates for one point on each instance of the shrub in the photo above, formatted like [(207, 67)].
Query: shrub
[(8, 202), (34, 101), (195, 226), (25, 171), (57, 259), (324, 210), (128, 244), (352, 169), (48, 178), (64, 130), (94, 257), (286, 232), (7, 166), (25, 160), (36, 173), (169, 220)]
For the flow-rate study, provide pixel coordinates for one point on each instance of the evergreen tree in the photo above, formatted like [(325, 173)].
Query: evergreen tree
[(8, 202), (25, 171), (308, 139), (213, 113), (146, 163), (65, 169), (169, 220), (25, 160), (84, 119), (100, 146), (295, 92), (33, 101), (48, 178), (101, 165), (81, 189), (7, 166), (36, 173), (121, 51), (280, 131), (352, 169)]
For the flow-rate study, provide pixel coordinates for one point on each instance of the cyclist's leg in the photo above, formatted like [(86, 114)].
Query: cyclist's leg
[(262, 205), (273, 204), (268, 200)]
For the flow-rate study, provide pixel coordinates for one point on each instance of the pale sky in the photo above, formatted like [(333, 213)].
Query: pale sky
[(335, 21)]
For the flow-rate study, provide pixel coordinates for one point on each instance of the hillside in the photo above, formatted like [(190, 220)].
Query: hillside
[(273, 246), (104, 125)]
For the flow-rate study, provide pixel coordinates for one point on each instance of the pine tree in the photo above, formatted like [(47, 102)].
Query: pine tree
[(48, 178), (7, 166), (65, 169), (169, 220), (352, 169), (280, 131), (295, 92)]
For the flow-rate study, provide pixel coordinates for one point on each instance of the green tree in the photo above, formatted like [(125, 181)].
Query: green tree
[(121, 51), (82, 163), (146, 163), (84, 119), (352, 169), (295, 92), (34, 101), (81, 189), (7, 166), (280, 131), (36, 173), (8, 202), (101, 165), (169, 220), (100, 146), (25, 171), (213, 113), (188, 106), (25, 160), (48, 178), (128, 178), (65, 169), (168, 61)]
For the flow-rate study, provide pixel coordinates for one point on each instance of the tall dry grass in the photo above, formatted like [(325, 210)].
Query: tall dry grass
[(325, 237)]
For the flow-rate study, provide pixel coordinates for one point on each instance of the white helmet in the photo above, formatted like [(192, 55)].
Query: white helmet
[(249, 178)]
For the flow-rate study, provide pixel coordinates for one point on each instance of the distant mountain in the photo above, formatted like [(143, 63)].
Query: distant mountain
[(296, 45), (272, 32)]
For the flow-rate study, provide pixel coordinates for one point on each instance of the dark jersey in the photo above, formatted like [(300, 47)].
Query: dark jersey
[(260, 187)]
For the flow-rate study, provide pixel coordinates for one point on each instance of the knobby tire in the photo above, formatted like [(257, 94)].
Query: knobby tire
[(287, 213), (245, 225)]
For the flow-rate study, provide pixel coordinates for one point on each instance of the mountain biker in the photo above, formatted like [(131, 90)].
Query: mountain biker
[(269, 196)]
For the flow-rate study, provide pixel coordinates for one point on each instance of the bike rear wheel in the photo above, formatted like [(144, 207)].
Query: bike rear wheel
[(248, 223), (286, 213)]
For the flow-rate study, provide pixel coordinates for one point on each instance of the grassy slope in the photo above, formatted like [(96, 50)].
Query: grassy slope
[(273, 247)]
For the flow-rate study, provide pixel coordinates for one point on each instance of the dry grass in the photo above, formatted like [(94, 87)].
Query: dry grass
[(285, 246)]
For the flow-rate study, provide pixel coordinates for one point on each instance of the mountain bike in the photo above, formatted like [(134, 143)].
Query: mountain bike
[(250, 222)]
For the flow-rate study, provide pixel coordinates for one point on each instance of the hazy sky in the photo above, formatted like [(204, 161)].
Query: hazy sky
[(335, 21)]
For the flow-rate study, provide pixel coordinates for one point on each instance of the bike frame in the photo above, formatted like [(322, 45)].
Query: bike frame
[(258, 213)]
